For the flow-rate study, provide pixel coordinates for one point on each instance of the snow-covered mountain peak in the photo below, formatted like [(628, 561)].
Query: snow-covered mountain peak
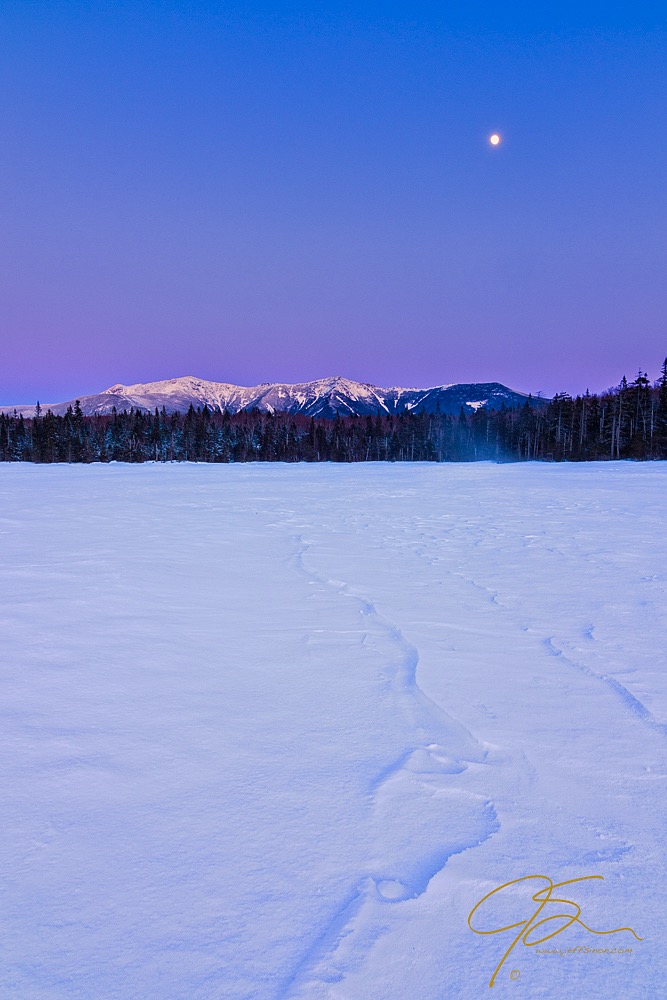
[(325, 397), (186, 383)]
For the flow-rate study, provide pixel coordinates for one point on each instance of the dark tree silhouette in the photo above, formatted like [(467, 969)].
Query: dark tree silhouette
[(628, 421)]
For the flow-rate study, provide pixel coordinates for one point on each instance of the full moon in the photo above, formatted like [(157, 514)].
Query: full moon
[(494, 139)]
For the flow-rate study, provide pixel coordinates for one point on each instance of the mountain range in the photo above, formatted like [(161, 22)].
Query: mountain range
[(326, 397)]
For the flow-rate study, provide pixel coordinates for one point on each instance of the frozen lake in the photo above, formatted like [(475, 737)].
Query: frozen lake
[(271, 731)]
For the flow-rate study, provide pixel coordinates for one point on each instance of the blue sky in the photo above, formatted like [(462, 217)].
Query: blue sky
[(277, 193)]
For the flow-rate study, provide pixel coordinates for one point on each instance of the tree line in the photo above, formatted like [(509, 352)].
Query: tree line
[(628, 421)]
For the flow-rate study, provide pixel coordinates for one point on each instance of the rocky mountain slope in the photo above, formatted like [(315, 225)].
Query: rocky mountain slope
[(320, 398)]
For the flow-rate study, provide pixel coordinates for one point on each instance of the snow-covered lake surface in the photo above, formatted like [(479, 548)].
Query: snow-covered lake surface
[(271, 731)]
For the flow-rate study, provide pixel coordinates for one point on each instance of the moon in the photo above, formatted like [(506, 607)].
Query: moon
[(494, 139)]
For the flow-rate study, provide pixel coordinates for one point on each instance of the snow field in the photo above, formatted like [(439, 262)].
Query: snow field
[(271, 731)]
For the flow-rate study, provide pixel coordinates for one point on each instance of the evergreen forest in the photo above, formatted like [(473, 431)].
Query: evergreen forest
[(628, 421)]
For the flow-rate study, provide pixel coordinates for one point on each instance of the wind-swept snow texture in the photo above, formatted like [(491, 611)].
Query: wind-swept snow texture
[(270, 732)]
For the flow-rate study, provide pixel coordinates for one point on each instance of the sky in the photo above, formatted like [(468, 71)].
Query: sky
[(267, 192)]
